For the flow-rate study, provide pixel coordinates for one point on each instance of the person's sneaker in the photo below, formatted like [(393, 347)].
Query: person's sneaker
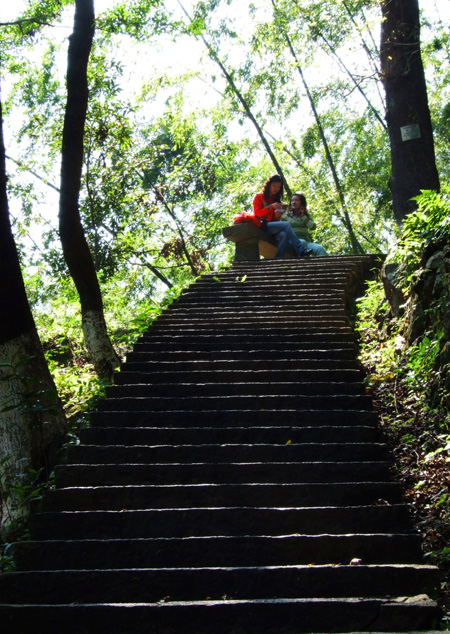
[(304, 254)]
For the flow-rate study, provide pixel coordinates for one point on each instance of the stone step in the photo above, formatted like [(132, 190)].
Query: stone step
[(241, 311), (249, 310), (325, 317), (197, 584), (317, 272), (222, 473), (268, 339), (288, 297), (267, 286), (159, 454), (248, 417), (191, 435), (255, 360), (224, 616), (220, 495), (248, 550), (230, 403), (355, 263), (233, 300), (292, 271), (141, 361), (228, 344), (265, 277), (260, 354), (127, 376), (229, 478), (297, 329), (293, 321), (185, 522), (316, 388)]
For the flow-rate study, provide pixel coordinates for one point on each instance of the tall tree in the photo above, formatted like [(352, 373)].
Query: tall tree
[(32, 421), (75, 247), (240, 97), (407, 112), (357, 248)]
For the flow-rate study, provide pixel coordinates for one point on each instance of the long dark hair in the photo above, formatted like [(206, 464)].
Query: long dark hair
[(276, 178)]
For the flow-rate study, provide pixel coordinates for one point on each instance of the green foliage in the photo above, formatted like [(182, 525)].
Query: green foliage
[(21, 485), (139, 19), (429, 225), (37, 15), (23, 488), (409, 378), (19, 491)]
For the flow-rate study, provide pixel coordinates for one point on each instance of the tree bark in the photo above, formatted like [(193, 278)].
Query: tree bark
[(413, 165), (345, 218), (32, 420), (75, 247)]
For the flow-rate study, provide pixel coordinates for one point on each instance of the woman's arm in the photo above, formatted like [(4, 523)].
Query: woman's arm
[(310, 222), (260, 209)]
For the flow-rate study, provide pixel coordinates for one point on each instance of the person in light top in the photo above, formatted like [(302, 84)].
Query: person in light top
[(302, 223)]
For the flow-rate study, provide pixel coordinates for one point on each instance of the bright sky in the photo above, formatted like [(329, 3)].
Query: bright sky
[(10, 10), (179, 56)]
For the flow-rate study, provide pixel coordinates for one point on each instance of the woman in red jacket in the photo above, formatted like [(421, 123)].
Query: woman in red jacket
[(267, 206)]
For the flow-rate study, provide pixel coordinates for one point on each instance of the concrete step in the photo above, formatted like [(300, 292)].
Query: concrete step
[(282, 287), (229, 478), (247, 550), (221, 495), (228, 318), (222, 473), (220, 299), (264, 310), (197, 584), (287, 375), (140, 361), (261, 354), (317, 272), (250, 388), (191, 435), (227, 344), (247, 417), (185, 522), (298, 329), (225, 616), (268, 339), (234, 301), (308, 317), (230, 403), (159, 454)]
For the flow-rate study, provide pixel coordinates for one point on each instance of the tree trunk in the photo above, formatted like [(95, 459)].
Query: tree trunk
[(32, 420), (345, 218), (75, 247), (413, 165)]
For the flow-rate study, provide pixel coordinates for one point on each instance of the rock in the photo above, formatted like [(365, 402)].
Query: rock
[(392, 278), (416, 326)]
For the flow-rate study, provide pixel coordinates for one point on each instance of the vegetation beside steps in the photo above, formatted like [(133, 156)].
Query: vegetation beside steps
[(404, 326)]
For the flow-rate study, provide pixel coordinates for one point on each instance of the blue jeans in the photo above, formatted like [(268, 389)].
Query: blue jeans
[(317, 249), (284, 235)]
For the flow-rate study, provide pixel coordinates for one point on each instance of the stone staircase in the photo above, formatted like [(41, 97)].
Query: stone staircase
[(233, 480)]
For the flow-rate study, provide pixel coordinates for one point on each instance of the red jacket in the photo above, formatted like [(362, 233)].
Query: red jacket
[(263, 210)]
